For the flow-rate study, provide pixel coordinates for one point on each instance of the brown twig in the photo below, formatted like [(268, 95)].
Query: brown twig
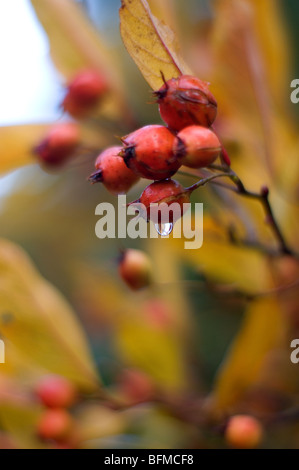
[(262, 197)]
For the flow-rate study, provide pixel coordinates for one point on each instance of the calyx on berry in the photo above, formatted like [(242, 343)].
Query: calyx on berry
[(112, 171), (148, 152), (186, 100)]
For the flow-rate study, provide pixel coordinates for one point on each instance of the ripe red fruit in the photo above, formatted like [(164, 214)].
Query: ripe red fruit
[(54, 424), (135, 269), (113, 172), (167, 192), (84, 93), (55, 391), (244, 432), (186, 100), (197, 146), (60, 143), (136, 386), (149, 152)]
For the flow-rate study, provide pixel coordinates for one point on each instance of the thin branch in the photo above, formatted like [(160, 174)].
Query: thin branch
[(262, 196)]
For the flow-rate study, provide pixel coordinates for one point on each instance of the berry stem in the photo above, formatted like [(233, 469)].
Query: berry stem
[(204, 181), (262, 197)]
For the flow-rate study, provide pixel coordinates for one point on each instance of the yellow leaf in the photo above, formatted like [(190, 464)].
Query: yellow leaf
[(19, 413), (150, 43), (252, 93), (149, 327), (20, 420), (262, 331), (38, 321), (97, 422), (220, 260), (17, 143), (156, 351)]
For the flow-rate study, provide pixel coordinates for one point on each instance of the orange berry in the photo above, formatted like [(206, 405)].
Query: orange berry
[(167, 192), (186, 100), (56, 392), (113, 172), (244, 432), (197, 146), (148, 152), (84, 93), (135, 269), (136, 386), (59, 144), (55, 424)]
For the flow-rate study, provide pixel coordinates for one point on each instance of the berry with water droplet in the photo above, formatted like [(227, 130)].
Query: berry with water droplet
[(244, 432), (84, 93), (135, 268), (197, 146), (59, 144), (113, 172), (168, 195), (55, 391), (149, 152), (186, 100), (54, 424)]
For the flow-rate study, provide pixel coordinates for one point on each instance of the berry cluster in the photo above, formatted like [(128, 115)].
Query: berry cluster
[(156, 152), (83, 94), (56, 424)]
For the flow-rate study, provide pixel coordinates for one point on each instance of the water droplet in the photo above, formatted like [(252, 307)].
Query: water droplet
[(164, 229)]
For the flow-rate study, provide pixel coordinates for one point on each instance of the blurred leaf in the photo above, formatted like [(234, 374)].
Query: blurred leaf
[(150, 336), (17, 143), (222, 261), (18, 413), (262, 331), (97, 422), (150, 43), (39, 323), (76, 45), (20, 420), (252, 94), (156, 351)]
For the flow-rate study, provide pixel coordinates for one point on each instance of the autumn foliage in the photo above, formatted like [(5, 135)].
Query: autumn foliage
[(111, 338)]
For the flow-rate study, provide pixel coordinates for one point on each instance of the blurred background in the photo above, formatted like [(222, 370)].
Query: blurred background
[(180, 331)]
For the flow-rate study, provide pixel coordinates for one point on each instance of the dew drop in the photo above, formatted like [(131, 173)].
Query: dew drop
[(164, 229)]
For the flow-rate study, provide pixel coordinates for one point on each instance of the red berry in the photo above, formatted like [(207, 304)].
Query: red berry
[(84, 93), (136, 386), (60, 143), (197, 146), (113, 172), (55, 391), (167, 192), (54, 424), (135, 269), (186, 100), (149, 152), (244, 432)]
